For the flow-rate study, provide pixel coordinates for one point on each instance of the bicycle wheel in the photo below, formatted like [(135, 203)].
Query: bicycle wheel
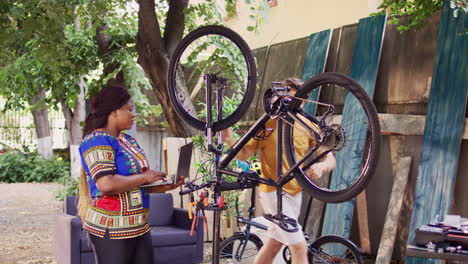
[(349, 129), (334, 250), (231, 249), (221, 54)]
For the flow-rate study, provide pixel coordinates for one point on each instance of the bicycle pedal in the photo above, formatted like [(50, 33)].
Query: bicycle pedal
[(284, 222)]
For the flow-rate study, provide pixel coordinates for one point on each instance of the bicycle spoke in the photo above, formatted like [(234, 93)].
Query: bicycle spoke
[(350, 124), (235, 252), (358, 139), (356, 132), (334, 253)]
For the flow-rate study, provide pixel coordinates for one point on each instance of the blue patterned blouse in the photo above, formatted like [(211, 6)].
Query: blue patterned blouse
[(124, 215)]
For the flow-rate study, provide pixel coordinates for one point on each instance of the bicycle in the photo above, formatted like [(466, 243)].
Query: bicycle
[(243, 246), (360, 135)]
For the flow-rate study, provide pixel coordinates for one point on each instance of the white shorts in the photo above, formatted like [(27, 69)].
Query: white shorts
[(291, 208)]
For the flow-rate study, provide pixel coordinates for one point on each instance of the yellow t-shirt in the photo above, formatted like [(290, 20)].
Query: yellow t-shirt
[(267, 153)]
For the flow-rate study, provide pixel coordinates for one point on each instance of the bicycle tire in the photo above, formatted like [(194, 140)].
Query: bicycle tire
[(251, 77), (227, 246), (372, 139), (349, 250)]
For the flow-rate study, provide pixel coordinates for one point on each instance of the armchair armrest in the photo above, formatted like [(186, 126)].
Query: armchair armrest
[(180, 219), (66, 235)]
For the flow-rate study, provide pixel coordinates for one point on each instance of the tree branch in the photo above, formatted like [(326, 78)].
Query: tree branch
[(154, 60), (104, 42), (148, 25), (175, 24)]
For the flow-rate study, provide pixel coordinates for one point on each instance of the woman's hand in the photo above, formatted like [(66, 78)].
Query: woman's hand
[(166, 187), (152, 175)]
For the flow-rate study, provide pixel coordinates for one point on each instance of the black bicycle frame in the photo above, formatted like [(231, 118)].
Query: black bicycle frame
[(253, 130), (222, 162), (248, 223)]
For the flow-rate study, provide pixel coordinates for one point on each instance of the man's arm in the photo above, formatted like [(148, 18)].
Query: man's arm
[(244, 153), (325, 165)]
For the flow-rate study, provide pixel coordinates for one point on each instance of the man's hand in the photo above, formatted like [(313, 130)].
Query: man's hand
[(226, 136), (166, 187), (314, 172), (324, 166), (244, 153)]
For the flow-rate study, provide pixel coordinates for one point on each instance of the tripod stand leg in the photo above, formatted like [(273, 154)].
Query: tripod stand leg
[(216, 223)]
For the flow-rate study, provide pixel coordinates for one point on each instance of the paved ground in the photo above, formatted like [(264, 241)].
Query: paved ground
[(26, 211)]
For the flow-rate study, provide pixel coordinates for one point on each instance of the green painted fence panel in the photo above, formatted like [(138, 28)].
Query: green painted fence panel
[(364, 68), (315, 60), (444, 124)]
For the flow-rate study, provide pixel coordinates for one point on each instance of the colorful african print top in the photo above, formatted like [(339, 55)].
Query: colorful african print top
[(125, 215)]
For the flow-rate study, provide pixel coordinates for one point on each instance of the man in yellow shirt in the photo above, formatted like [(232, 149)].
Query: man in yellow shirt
[(292, 196)]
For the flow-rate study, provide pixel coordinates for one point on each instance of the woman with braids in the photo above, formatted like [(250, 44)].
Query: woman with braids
[(113, 207)]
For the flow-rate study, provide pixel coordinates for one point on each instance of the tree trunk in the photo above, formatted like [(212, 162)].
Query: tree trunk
[(41, 122), (154, 58), (72, 124)]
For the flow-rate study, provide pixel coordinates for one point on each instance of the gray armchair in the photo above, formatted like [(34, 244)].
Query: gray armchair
[(170, 234)]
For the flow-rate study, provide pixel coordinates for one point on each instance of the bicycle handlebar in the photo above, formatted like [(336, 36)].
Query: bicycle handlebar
[(223, 186), (192, 187), (229, 186)]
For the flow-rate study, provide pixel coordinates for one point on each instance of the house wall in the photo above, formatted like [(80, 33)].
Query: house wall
[(293, 19), (402, 87)]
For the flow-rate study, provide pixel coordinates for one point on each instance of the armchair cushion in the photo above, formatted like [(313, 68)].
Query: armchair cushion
[(161, 208), (171, 236)]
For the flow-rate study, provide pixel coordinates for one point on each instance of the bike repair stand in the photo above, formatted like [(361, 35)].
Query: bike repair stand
[(220, 84)]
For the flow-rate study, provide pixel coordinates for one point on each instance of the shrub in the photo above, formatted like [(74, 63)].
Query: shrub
[(70, 187), (29, 167)]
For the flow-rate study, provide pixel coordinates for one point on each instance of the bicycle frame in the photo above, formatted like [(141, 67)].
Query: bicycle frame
[(222, 162), (256, 128), (248, 223)]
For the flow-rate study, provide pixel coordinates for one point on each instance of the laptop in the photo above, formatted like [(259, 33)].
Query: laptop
[(183, 167)]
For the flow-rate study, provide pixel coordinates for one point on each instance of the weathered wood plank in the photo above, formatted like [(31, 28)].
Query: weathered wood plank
[(338, 217), (363, 222), (444, 124), (316, 57), (314, 63), (409, 125), (396, 124), (384, 255)]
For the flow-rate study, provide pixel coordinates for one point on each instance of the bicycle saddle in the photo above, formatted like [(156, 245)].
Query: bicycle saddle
[(285, 222)]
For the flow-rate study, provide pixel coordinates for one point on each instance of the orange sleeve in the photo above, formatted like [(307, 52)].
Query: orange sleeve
[(252, 144)]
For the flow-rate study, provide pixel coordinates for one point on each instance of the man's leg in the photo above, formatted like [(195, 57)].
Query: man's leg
[(268, 252), (298, 253)]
